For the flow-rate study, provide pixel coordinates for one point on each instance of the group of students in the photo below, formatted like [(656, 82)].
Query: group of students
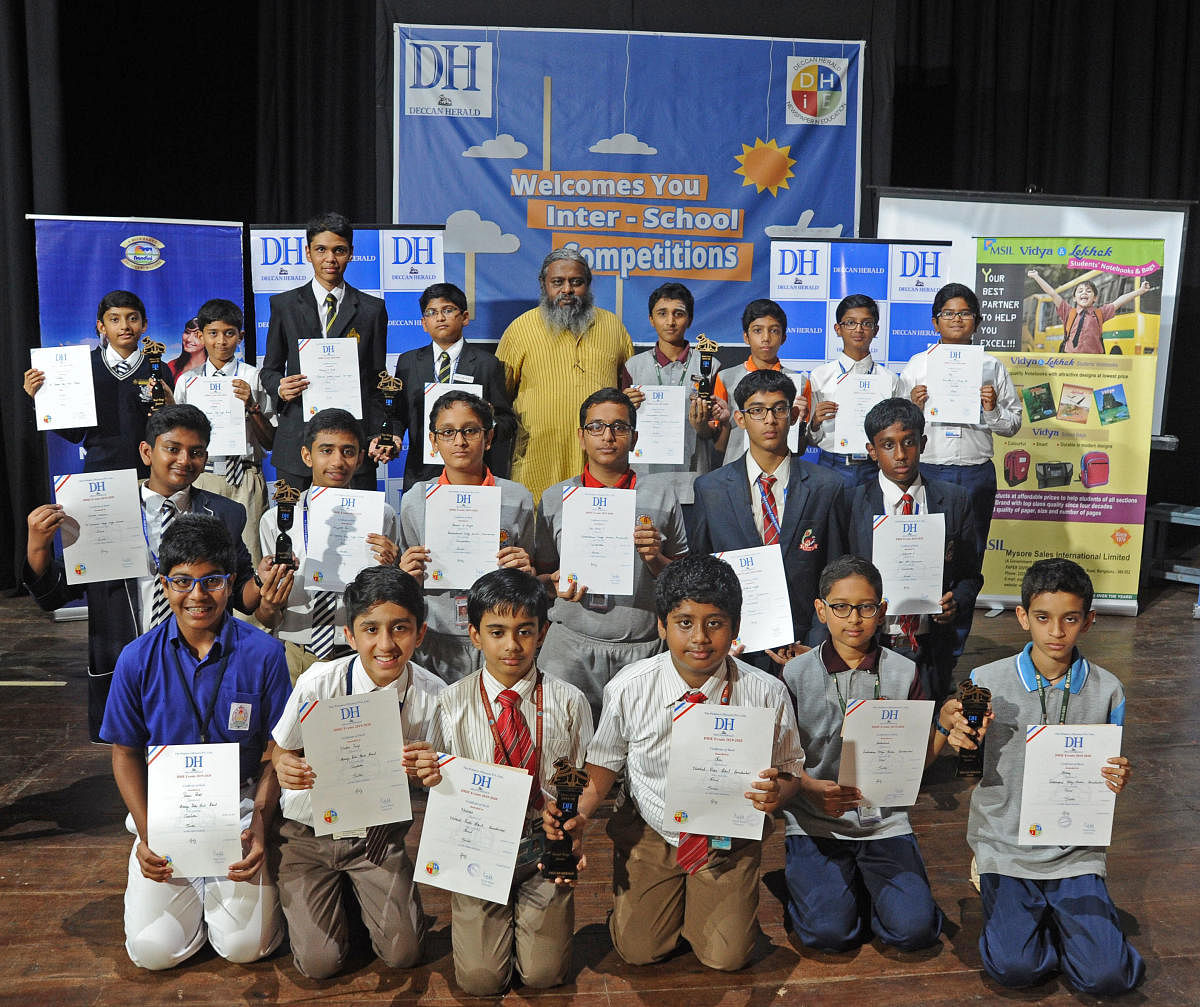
[(526, 647)]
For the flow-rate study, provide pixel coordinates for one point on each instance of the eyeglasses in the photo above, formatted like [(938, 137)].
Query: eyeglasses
[(212, 583), (946, 315), (866, 325), (779, 411), (842, 609), (448, 434), (619, 429), (441, 312)]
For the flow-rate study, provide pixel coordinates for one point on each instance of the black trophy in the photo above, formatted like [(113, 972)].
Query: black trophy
[(707, 350), (153, 352), (389, 388), (557, 859), (975, 701), (285, 499)]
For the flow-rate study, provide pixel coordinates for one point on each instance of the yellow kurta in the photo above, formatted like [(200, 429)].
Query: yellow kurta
[(549, 374)]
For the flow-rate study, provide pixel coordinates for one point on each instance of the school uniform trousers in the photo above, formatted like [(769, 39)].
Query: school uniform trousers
[(531, 933)]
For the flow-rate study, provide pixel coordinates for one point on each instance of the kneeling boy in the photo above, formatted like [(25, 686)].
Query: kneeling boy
[(234, 683), (385, 620)]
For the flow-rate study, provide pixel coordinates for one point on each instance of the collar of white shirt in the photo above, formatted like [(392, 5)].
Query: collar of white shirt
[(782, 473), (672, 688), (892, 494), (362, 682), (864, 366), (112, 357), (455, 352), (153, 502), (523, 687), (228, 371)]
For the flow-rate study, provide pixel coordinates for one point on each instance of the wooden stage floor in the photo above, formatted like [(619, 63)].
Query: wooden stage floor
[(63, 851)]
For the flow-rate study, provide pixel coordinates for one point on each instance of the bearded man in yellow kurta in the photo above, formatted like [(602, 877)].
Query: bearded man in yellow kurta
[(555, 356)]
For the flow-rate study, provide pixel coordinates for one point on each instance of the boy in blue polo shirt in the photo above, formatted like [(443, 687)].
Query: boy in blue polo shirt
[(199, 677)]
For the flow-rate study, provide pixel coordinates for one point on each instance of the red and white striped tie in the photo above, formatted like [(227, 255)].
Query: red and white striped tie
[(516, 747), (692, 853)]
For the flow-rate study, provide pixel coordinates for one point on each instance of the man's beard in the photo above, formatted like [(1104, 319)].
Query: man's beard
[(575, 318)]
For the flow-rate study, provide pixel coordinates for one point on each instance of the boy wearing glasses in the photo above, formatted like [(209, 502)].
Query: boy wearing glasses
[(857, 325), (201, 677), (450, 359), (771, 496), (461, 429), (593, 636)]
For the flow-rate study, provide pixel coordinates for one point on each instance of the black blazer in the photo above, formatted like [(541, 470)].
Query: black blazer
[(812, 532), (415, 368), (294, 317)]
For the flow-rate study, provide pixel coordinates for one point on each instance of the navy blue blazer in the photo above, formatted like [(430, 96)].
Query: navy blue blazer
[(112, 604), (294, 318), (415, 368), (812, 532)]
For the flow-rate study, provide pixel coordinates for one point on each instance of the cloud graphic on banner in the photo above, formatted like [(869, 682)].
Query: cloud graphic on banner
[(622, 143), (503, 146), (800, 229), (467, 232)]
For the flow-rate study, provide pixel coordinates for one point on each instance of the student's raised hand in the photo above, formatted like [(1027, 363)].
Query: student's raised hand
[(962, 735), (635, 395), (153, 867), (781, 655), (801, 405), (920, 395), (648, 541), (254, 849), (293, 770), (422, 763), (292, 387), (765, 793), (167, 394), (513, 556), (42, 523), (550, 827), (949, 608), (241, 390), (830, 797), (707, 416), (412, 752), (382, 453), (277, 581), (987, 398), (825, 410), (1116, 773), (386, 551), (574, 590), (34, 379), (413, 561)]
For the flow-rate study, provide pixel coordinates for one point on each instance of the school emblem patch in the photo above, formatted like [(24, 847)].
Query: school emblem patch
[(808, 541), (353, 334)]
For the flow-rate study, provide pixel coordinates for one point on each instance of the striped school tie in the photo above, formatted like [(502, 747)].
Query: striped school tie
[(235, 468), (692, 853), (330, 312), (320, 641), (160, 608), (770, 512), (444, 368), (516, 747)]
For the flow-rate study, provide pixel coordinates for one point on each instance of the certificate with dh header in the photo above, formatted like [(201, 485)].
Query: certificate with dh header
[(335, 525), (597, 539), (462, 533), (331, 366), (909, 551), (884, 742), (953, 380), (472, 828), (434, 390), (67, 397), (717, 752), (661, 424), (102, 533), (766, 602), (1064, 799), (193, 816), (355, 745), (855, 395), (214, 396)]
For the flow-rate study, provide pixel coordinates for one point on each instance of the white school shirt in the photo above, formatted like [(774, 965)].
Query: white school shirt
[(112, 358), (970, 443), (893, 504), (455, 352), (779, 491), (259, 395), (823, 384), (635, 726), (320, 293), (416, 688), (152, 504)]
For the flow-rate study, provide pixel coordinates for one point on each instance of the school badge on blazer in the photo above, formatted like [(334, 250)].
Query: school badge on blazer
[(808, 541), (353, 334)]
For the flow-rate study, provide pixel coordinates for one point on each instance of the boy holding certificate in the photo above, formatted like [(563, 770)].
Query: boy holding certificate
[(853, 870), (461, 428), (1046, 909), (857, 325), (309, 623), (509, 713), (238, 477), (385, 619), (895, 431), (595, 635), (200, 678), (669, 884)]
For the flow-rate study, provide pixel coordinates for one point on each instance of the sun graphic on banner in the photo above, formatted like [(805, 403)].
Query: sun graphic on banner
[(765, 165)]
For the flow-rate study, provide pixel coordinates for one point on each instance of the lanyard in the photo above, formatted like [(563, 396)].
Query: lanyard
[(724, 700), (350, 682), (682, 377), (490, 713), (202, 720), (839, 688), (146, 528), (768, 509), (1041, 684)]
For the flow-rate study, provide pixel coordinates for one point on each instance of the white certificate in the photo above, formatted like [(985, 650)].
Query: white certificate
[(909, 550), (884, 742), (766, 602), (1064, 799), (102, 533), (597, 539), (193, 816), (462, 534), (214, 396), (717, 752), (355, 745), (953, 380), (331, 366), (67, 397), (336, 525), (661, 424), (433, 392), (855, 395), (472, 828)]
